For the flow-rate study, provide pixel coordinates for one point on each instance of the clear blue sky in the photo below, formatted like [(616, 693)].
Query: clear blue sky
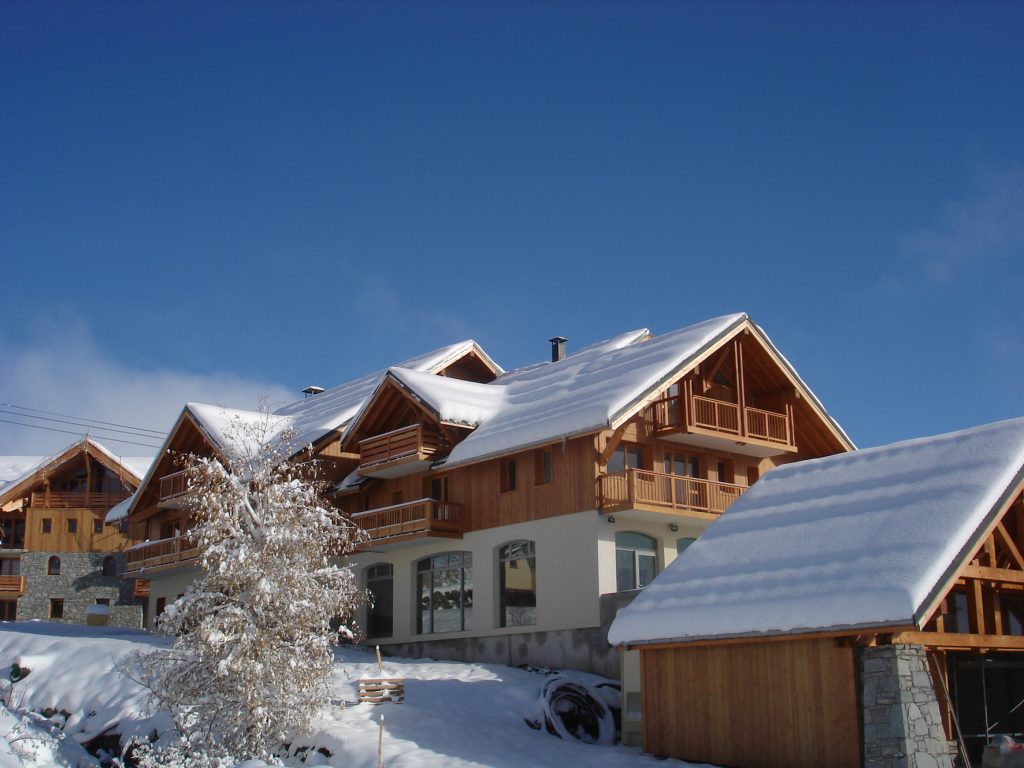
[(206, 200)]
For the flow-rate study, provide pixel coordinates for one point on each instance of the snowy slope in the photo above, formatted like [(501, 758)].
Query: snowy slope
[(854, 540), (455, 715)]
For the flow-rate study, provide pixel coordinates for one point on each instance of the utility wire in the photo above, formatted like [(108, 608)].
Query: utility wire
[(77, 424), (71, 432), (80, 418)]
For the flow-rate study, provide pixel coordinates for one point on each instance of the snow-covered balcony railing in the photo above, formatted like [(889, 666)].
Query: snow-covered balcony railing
[(705, 415), (173, 486), (12, 585), (77, 499), (414, 519), (641, 489), (406, 448), (161, 554)]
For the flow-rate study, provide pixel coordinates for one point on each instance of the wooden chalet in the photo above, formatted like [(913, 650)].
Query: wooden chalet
[(165, 558), (59, 508), (861, 610), (589, 473)]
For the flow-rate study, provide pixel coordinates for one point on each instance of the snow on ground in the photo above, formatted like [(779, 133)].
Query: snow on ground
[(455, 715)]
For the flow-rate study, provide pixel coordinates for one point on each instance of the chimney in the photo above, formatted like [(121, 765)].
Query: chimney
[(311, 390), (557, 348)]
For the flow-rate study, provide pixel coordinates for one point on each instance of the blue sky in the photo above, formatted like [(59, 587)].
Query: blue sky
[(202, 201)]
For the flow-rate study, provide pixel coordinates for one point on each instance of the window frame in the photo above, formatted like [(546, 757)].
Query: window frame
[(543, 466), (509, 475), (463, 560), (636, 553), (53, 565), (370, 577), (508, 554), (56, 608)]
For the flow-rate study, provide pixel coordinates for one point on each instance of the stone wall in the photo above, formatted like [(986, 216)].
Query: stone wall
[(902, 724), (80, 583)]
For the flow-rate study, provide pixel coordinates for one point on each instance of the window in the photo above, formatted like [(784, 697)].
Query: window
[(542, 464), (53, 566), (97, 526), (517, 584), (439, 489), (725, 471), (380, 612), (636, 561), (161, 605), (508, 475), (103, 601), (56, 608), (72, 525), (626, 456), (444, 593), (109, 567), (396, 498), (10, 566), (47, 525), (683, 544)]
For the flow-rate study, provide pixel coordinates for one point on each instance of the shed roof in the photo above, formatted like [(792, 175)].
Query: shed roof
[(852, 541)]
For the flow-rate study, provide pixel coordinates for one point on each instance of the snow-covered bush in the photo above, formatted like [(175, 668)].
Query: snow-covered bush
[(253, 632)]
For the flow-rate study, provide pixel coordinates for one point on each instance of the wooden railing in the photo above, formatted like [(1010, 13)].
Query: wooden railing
[(399, 443), (77, 499), (422, 515), (141, 588), (161, 553), (670, 414), (623, 490), (173, 485), (12, 585)]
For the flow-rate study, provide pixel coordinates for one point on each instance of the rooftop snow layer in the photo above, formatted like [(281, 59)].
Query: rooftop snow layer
[(853, 540), (585, 391), (235, 430), (13, 468), (453, 400), (315, 416), (17, 469)]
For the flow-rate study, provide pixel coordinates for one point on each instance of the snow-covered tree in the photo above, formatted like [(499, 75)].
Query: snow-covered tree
[(253, 633)]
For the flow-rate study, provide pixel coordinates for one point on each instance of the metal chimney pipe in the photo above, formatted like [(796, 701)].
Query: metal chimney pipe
[(557, 348)]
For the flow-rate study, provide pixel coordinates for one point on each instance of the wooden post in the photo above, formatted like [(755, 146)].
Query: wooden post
[(380, 665), (88, 478), (380, 737), (741, 390)]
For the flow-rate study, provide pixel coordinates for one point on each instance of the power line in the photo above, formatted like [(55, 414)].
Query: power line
[(80, 418), (70, 432), (76, 423)]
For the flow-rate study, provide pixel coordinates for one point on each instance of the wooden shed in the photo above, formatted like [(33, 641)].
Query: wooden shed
[(865, 609)]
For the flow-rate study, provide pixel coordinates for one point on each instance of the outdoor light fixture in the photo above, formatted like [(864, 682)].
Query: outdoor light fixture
[(611, 519), (673, 527)]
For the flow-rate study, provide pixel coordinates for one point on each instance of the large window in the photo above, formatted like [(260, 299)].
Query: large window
[(444, 593), (380, 615), (636, 560), (517, 584), (626, 456)]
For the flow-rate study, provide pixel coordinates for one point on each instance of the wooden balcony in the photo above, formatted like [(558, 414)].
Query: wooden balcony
[(723, 425), (657, 492), (172, 488), (160, 555), (141, 588), (11, 586), (399, 452), (77, 499), (416, 519)]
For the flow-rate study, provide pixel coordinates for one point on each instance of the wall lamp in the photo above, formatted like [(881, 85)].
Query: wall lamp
[(610, 519), (673, 527)]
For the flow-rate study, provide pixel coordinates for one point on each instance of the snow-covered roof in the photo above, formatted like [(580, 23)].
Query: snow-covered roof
[(851, 541), (227, 426), (454, 401), (119, 511), (316, 416), (586, 391), (29, 466)]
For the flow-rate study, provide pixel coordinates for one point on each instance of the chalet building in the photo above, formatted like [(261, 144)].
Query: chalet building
[(865, 609), (509, 514), (165, 558), (59, 561)]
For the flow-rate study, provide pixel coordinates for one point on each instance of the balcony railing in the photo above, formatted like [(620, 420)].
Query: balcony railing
[(12, 585), (77, 499), (416, 440), (161, 554), (420, 517), (173, 485), (626, 490), (671, 415)]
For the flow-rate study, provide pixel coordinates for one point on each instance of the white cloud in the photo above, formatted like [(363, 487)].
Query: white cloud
[(973, 231), (63, 370)]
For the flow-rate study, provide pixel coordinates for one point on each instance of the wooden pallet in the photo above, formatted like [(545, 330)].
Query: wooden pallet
[(377, 690)]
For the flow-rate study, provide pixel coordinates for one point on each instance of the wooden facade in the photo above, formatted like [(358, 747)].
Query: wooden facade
[(756, 705)]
